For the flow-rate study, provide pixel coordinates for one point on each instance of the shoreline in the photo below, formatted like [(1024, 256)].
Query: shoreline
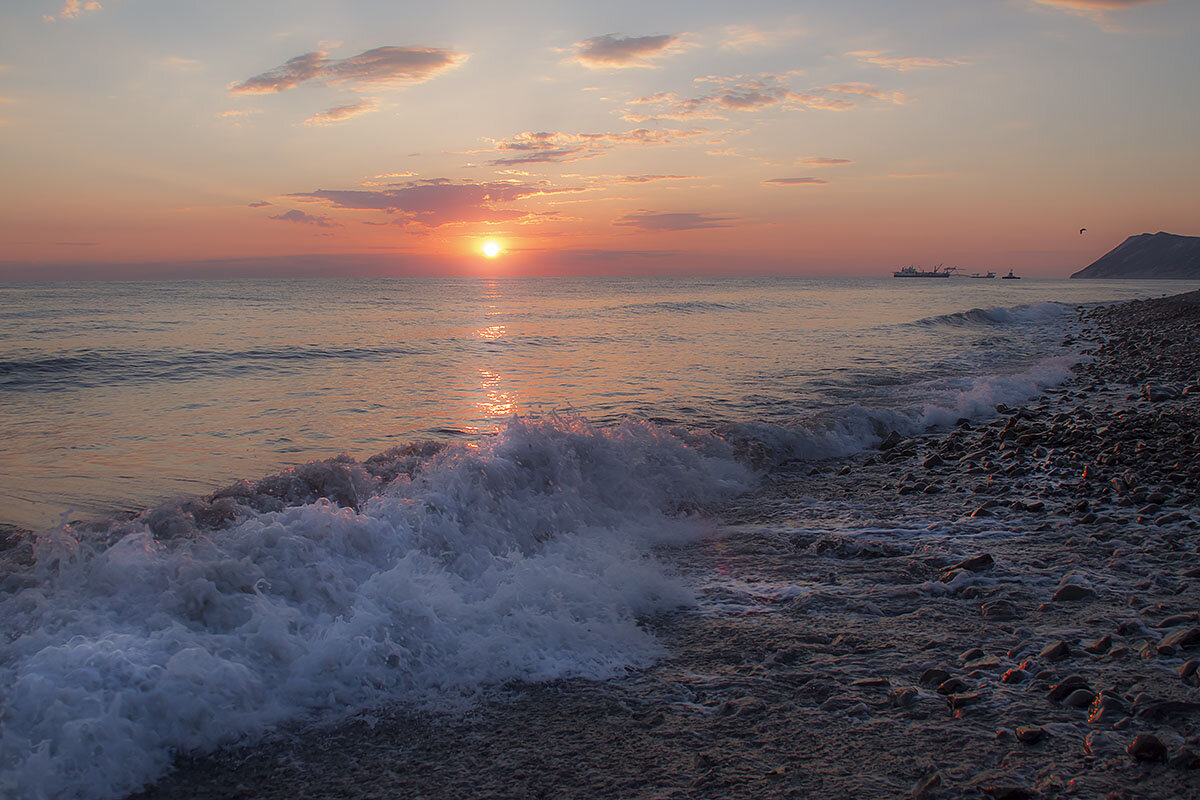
[(1007, 609)]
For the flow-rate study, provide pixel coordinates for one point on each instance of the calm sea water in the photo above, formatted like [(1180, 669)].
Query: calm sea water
[(575, 426), (114, 396)]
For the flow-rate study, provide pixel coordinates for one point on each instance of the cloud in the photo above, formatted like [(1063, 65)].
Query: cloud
[(903, 63), (380, 66), (305, 219), (72, 9), (680, 221), (339, 113), (77, 244), (744, 93), (612, 51), (746, 37), (636, 179), (821, 161), (234, 113), (554, 147), (793, 181), (258, 204), (440, 201), (182, 64), (1096, 10)]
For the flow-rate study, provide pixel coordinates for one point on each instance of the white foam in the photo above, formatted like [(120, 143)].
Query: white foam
[(525, 557)]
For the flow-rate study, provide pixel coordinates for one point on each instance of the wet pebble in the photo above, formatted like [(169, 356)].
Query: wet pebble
[(1147, 747)]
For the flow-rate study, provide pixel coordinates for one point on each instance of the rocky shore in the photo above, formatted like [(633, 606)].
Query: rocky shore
[(1010, 609)]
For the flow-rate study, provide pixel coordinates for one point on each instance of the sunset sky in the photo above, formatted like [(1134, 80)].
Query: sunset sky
[(256, 137)]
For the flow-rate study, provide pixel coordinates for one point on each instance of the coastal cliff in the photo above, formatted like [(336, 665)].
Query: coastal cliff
[(1149, 255)]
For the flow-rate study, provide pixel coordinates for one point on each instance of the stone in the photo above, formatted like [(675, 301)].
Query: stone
[(934, 677), (1030, 735), (1080, 698), (1188, 637), (1055, 651), (1147, 747), (923, 787), (1100, 646), (1000, 610), (1014, 676), (1106, 708), (979, 563), (1071, 592), (1060, 690), (1006, 792), (890, 441), (952, 685), (1188, 668)]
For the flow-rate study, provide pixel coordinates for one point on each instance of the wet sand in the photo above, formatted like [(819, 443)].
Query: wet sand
[(1009, 609)]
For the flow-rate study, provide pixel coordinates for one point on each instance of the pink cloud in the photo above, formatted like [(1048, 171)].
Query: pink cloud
[(72, 9), (340, 113), (821, 161), (380, 66), (611, 50)]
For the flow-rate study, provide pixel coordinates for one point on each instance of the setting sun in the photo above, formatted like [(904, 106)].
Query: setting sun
[(491, 248)]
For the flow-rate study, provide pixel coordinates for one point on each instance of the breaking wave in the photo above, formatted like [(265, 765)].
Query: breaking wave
[(1032, 313)]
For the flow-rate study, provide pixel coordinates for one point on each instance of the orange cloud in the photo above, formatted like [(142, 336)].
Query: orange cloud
[(72, 9), (339, 113), (379, 66), (612, 51), (793, 181), (747, 37), (903, 63), (678, 221), (821, 161), (440, 201), (1095, 5)]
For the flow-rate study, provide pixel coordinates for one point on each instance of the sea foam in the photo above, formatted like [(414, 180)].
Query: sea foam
[(527, 556)]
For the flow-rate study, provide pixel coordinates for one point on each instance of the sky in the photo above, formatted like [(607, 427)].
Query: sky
[(158, 138)]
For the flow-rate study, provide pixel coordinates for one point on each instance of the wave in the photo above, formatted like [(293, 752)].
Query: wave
[(87, 368), (1032, 313), (681, 307), (419, 576)]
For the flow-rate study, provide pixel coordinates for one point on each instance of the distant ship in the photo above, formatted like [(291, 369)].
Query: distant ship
[(1011, 277), (977, 275), (913, 272)]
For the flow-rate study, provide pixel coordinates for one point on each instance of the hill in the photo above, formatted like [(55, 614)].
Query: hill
[(1149, 255)]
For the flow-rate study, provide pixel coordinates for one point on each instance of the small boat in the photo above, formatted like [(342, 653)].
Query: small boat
[(977, 275), (1011, 277), (913, 272)]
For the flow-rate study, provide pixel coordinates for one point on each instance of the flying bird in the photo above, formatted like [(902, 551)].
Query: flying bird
[(1081, 230)]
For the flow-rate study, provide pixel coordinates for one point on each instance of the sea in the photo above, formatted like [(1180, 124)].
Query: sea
[(229, 506)]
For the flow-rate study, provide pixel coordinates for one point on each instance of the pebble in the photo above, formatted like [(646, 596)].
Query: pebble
[(1188, 637), (1055, 651), (1100, 646), (1080, 698), (952, 686), (934, 677), (1147, 747), (1059, 691), (1030, 735), (1071, 592), (1000, 610)]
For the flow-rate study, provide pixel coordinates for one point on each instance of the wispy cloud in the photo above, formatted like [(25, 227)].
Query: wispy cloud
[(743, 38), (295, 215), (258, 204), (1096, 10), (72, 9), (235, 113), (743, 93), (903, 63), (180, 64), (678, 221), (77, 244), (793, 181), (618, 180), (613, 51), (380, 66), (821, 161), (555, 147), (339, 113), (440, 201)]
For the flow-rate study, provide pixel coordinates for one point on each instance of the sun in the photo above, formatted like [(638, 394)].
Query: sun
[(491, 248)]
